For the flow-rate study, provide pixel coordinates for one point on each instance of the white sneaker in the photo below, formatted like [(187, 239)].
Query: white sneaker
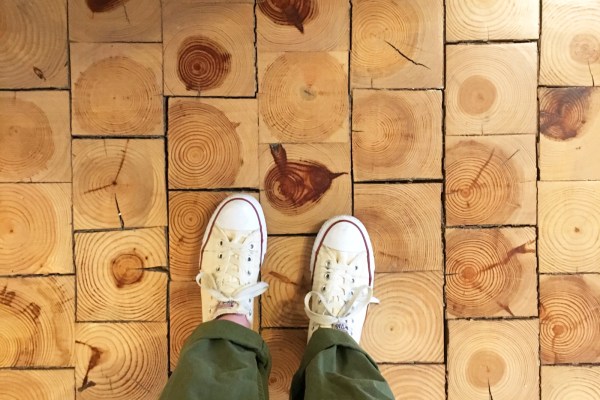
[(343, 269), (232, 252)]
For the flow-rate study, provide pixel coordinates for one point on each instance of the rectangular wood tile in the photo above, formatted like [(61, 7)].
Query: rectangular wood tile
[(35, 137), (35, 232), (38, 384), (569, 319), (569, 139), (303, 185), (416, 382), (491, 273), (397, 44), (491, 180), (570, 382), (310, 26), (129, 190), (493, 359), (121, 361), (117, 276), (34, 44), (396, 135), (408, 325), (38, 318), (213, 143), (117, 89), (404, 222), (185, 316), (492, 20), (287, 348), (286, 270), (303, 97), (569, 215), (491, 89), (570, 52), (130, 21), (209, 49)]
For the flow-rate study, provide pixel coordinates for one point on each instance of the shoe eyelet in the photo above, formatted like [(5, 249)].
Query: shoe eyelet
[(249, 300), (352, 280), (249, 273), (327, 276), (251, 246), (220, 243), (323, 289), (356, 267), (249, 259), (220, 255), (320, 301), (328, 263), (218, 269), (352, 293)]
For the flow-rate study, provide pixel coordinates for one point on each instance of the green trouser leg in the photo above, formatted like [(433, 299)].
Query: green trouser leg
[(221, 360), (335, 367)]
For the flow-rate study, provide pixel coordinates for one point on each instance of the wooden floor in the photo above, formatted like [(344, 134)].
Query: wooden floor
[(465, 134)]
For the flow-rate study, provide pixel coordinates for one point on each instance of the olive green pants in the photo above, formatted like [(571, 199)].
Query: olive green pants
[(223, 360)]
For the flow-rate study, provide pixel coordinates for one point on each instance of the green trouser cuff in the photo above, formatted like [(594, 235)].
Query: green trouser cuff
[(227, 330)]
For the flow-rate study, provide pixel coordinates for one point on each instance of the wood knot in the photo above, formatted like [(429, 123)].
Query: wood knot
[(585, 48), (127, 269), (289, 12), (563, 112), (477, 95), (104, 5), (485, 368)]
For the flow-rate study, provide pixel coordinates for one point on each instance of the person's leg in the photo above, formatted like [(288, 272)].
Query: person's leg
[(224, 358), (334, 365)]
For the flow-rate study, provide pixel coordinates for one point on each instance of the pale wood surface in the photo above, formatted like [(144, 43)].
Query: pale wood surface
[(287, 347), (570, 383), (37, 385), (416, 382), (185, 307)]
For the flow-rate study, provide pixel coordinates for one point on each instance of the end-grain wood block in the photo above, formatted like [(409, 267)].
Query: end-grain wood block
[(286, 270), (493, 359), (38, 320), (570, 52), (569, 227), (115, 21), (397, 44), (117, 276), (35, 229), (491, 273), (120, 361), (304, 25), (569, 319), (185, 315), (287, 348), (492, 20), (213, 143), (209, 49), (404, 223), (117, 89), (33, 49), (396, 135), (37, 384), (118, 183), (303, 97), (35, 137), (491, 180), (570, 382), (189, 213), (491, 89), (408, 325), (303, 185), (569, 133), (416, 382)]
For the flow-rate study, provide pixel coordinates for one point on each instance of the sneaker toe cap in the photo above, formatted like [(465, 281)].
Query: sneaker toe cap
[(345, 236), (238, 214)]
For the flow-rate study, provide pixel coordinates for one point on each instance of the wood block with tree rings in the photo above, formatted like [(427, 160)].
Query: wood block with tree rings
[(287, 348), (416, 382), (570, 382), (54, 384), (185, 315)]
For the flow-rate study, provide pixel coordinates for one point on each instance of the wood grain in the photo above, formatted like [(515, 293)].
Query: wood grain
[(570, 383), (38, 316), (405, 237), (37, 384), (415, 382), (493, 359), (287, 348), (185, 305)]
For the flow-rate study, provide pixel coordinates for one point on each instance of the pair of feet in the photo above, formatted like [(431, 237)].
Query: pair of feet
[(234, 246)]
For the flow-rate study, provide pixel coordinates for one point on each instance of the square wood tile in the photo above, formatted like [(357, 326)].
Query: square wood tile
[(396, 135), (35, 232), (569, 319), (119, 183), (569, 215), (408, 325), (497, 357), (404, 222), (303, 97), (492, 20), (310, 26), (34, 45), (209, 49), (37, 384), (397, 44), (117, 89), (491, 273), (213, 143), (38, 318), (569, 133), (287, 348), (131, 21), (303, 185), (121, 361), (416, 382), (570, 382), (117, 276), (491, 89), (491, 180), (35, 136), (570, 52)]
